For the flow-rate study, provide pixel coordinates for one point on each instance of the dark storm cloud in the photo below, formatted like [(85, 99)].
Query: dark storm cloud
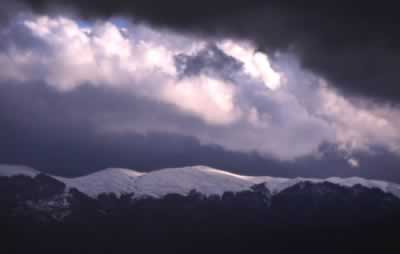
[(54, 132), (353, 44), (7, 11)]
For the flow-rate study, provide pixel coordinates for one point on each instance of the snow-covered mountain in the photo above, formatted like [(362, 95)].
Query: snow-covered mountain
[(180, 205), (205, 180)]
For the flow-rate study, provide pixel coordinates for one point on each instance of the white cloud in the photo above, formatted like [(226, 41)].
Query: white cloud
[(287, 113), (358, 127), (256, 64), (211, 99)]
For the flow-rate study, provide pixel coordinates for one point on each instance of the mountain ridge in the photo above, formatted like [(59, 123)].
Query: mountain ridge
[(44, 212), (206, 180)]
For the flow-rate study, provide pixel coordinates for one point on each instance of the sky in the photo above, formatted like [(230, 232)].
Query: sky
[(254, 87)]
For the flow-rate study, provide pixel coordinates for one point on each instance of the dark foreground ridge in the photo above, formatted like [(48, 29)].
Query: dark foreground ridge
[(40, 215)]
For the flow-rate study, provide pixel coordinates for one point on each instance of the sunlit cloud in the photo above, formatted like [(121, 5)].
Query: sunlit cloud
[(256, 63), (234, 93)]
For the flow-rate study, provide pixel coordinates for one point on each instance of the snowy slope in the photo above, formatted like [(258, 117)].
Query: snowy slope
[(182, 180), (112, 180)]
